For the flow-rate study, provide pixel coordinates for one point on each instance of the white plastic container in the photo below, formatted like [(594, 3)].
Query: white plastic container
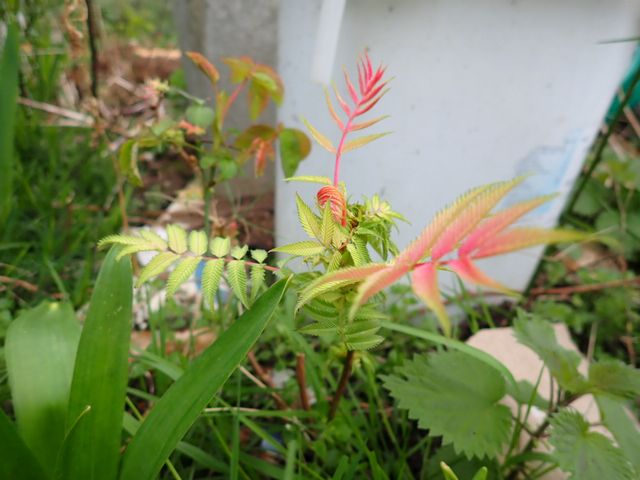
[(484, 90)]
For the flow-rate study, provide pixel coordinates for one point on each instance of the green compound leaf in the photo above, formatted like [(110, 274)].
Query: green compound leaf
[(237, 277), (539, 336), (586, 455), (198, 242), (156, 266), (455, 396), (259, 255), (177, 238), (301, 249), (220, 246), (308, 220), (257, 280), (181, 273), (154, 239), (615, 378), (327, 225), (211, 275), (239, 252), (363, 342), (126, 240)]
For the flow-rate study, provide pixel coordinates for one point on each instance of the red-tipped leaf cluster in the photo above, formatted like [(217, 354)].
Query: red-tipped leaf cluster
[(464, 232)]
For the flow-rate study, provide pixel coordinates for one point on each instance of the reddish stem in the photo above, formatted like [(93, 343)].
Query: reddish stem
[(232, 97), (347, 127)]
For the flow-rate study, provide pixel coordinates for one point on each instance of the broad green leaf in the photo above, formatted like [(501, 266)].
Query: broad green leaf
[(362, 141), (18, 461), (323, 141), (100, 377), (198, 242), (620, 422), (211, 275), (181, 273), (237, 278), (302, 249), (200, 115), (456, 397), (220, 246), (615, 378), (128, 162), (586, 455), (156, 266), (294, 147), (9, 66), (180, 406), (308, 220), (539, 336), (40, 350), (177, 238)]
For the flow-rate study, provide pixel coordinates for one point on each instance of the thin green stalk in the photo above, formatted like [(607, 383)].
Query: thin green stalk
[(604, 139)]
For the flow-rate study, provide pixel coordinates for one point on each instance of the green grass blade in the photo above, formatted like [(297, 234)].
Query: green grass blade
[(100, 377), (183, 402), (40, 349), (17, 461), (8, 99)]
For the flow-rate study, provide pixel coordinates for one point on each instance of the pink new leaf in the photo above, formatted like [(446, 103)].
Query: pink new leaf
[(332, 110), (351, 88), (469, 218), (421, 246), (495, 224), (468, 271), (364, 109), (424, 282), (341, 101), (524, 237), (337, 279), (376, 283)]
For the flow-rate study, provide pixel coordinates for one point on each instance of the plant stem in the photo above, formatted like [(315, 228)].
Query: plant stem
[(342, 384), (604, 139), (347, 127), (92, 31)]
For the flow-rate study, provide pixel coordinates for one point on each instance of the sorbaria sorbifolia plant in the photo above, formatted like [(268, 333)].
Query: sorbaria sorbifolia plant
[(341, 295)]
